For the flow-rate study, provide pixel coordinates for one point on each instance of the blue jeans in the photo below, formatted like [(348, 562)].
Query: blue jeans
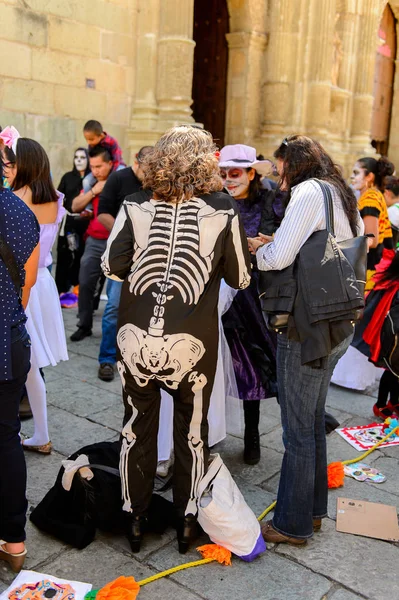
[(302, 494), (109, 323)]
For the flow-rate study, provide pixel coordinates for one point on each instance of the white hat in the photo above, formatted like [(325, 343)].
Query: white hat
[(240, 155)]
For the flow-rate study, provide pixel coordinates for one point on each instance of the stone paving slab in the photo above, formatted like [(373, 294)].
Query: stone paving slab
[(232, 449), (390, 468), (341, 594), (269, 577), (351, 560), (69, 432), (81, 400), (350, 401), (42, 473), (99, 560)]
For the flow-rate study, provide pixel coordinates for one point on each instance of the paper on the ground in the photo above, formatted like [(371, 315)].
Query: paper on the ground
[(80, 588), (364, 437)]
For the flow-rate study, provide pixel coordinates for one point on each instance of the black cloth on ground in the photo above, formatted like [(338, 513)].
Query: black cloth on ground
[(73, 517)]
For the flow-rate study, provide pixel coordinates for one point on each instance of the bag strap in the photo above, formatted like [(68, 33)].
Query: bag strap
[(105, 468), (329, 206), (213, 470), (11, 265)]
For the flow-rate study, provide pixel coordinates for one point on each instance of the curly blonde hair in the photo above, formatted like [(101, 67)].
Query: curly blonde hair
[(182, 165)]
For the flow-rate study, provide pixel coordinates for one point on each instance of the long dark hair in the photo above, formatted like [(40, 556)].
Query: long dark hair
[(33, 170), (74, 169), (305, 159), (380, 168)]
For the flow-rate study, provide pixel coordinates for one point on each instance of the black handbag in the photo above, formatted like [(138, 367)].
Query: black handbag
[(355, 251)]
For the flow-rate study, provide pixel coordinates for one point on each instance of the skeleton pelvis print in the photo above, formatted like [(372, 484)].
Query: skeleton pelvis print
[(167, 358)]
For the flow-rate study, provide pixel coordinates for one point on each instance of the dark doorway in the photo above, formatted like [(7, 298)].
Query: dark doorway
[(383, 82), (211, 23)]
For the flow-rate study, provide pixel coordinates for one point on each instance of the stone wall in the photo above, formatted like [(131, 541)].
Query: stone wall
[(48, 49), (295, 66)]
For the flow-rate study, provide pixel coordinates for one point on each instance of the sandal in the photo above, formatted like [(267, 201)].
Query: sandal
[(16, 561), (383, 413), (44, 449), (393, 407), (272, 536)]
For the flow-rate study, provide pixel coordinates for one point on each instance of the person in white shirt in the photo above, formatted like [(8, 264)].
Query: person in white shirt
[(302, 495)]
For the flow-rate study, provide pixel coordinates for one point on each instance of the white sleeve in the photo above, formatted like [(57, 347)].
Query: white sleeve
[(304, 215)]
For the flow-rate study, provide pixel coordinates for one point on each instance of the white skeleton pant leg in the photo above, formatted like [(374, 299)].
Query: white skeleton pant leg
[(138, 459), (190, 432)]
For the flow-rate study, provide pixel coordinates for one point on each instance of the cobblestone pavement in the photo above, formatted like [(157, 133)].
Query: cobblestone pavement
[(333, 566)]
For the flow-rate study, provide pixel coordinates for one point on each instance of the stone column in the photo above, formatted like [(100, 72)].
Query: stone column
[(144, 119), (284, 70), (175, 62), (393, 151), (246, 51), (316, 113), (364, 82)]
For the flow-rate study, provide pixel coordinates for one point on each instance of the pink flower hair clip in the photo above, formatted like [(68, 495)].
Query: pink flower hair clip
[(10, 136)]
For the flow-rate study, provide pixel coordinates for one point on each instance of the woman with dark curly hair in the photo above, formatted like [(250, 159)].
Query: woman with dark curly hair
[(171, 247)]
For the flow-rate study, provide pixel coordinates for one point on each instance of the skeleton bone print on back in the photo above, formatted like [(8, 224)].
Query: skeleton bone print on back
[(173, 253)]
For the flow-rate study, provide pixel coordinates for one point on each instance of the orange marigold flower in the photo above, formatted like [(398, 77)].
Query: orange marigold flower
[(335, 475), (123, 588), (216, 552)]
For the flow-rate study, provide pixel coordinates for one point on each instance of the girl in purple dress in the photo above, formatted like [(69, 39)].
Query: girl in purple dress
[(252, 345)]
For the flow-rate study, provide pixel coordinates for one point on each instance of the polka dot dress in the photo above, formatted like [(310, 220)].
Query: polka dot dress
[(20, 230)]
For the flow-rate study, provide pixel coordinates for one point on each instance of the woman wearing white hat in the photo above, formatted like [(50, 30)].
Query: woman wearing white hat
[(252, 345)]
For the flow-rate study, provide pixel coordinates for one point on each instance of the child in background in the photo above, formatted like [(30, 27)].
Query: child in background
[(95, 136)]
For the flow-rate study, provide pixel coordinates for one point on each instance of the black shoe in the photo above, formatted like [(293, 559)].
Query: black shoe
[(135, 532), (330, 423), (187, 531), (106, 372), (25, 411), (80, 334), (251, 447)]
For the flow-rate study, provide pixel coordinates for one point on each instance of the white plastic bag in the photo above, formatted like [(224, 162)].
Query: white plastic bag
[(225, 516)]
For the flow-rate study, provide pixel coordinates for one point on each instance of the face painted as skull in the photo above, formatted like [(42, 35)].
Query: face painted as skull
[(237, 181), (80, 160)]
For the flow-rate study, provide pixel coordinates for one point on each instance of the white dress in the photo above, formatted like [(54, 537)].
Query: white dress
[(354, 371), (45, 324)]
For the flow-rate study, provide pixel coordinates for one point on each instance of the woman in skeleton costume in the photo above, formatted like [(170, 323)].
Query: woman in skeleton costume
[(172, 248), (252, 345)]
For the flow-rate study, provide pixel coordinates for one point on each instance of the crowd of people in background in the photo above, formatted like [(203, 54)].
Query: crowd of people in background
[(163, 233)]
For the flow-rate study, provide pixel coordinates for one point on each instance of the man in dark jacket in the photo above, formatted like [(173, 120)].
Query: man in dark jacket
[(119, 185)]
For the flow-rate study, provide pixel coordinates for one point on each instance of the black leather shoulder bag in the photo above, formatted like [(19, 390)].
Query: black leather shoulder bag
[(354, 250)]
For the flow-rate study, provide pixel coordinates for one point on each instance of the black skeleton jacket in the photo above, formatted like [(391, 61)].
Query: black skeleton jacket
[(172, 258)]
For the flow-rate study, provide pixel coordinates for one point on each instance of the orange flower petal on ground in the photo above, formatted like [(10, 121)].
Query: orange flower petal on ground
[(218, 553), (123, 588), (335, 475)]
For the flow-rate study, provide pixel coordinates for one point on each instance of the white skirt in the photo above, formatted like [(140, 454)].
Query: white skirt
[(354, 371), (45, 324)]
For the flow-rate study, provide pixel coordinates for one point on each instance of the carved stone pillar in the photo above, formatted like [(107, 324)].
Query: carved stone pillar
[(246, 50), (364, 82), (320, 47), (144, 119), (175, 62)]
